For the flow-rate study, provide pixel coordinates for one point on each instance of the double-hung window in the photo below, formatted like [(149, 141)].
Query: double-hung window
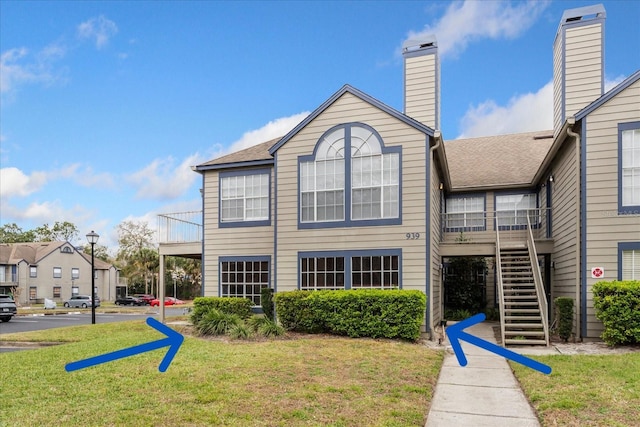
[(512, 210), (629, 259), (351, 179), (57, 272), (465, 213), (629, 174), (244, 198)]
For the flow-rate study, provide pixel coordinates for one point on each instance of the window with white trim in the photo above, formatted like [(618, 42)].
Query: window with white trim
[(631, 264), (351, 179), (75, 273), (465, 213), (33, 271), (244, 279), (630, 185), (57, 272), (513, 209), (244, 198)]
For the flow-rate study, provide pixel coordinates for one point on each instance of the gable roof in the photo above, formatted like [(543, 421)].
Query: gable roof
[(496, 161), (32, 252), (252, 156), (607, 96), (362, 96)]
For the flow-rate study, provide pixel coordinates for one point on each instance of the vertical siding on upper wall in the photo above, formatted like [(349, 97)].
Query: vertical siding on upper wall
[(564, 277), (583, 67), (291, 240), (235, 241), (605, 227), (421, 89)]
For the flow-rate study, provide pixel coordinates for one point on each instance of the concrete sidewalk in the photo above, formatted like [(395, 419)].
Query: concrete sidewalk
[(483, 393)]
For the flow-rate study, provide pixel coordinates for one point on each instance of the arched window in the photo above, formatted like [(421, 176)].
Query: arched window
[(351, 179)]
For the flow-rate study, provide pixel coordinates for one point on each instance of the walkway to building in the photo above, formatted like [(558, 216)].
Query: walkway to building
[(483, 393)]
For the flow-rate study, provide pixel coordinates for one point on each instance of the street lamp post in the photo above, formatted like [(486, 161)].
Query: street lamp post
[(93, 239)]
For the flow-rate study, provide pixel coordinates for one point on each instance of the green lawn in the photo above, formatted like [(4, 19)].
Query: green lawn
[(585, 390), (310, 381)]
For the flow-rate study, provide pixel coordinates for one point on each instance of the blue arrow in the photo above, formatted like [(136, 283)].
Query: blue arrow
[(456, 334), (173, 340)]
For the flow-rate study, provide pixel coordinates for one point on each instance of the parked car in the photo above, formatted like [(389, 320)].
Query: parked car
[(8, 308), (80, 301), (145, 297), (167, 301), (130, 300)]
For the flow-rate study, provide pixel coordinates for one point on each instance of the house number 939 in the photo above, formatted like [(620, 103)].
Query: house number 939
[(413, 236)]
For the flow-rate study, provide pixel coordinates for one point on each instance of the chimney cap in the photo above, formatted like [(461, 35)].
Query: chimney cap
[(583, 13), (419, 43)]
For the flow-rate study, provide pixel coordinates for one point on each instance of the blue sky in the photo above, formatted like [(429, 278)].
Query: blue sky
[(106, 105)]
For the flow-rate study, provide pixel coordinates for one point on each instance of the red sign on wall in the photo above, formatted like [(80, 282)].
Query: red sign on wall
[(597, 273)]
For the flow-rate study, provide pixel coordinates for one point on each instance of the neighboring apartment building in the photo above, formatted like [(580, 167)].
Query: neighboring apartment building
[(360, 195), (54, 270)]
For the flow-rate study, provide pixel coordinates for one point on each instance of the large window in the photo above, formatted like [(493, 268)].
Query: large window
[(244, 277), (244, 198), (629, 175), (372, 269), (629, 260), (512, 210), (465, 213), (351, 179)]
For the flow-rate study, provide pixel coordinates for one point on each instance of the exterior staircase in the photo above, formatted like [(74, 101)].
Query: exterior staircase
[(523, 319)]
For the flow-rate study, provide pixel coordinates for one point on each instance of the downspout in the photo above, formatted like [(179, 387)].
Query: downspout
[(437, 136), (576, 137)]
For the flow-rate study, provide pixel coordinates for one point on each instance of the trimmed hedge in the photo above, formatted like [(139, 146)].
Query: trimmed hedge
[(617, 305), (564, 312), (228, 305), (355, 313)]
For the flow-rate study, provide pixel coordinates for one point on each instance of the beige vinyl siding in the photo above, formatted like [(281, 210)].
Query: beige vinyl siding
[(234, 241), (583, 67), (291, 240), (420, 89), (557, 82), (564, 277), (436, 261), (605, 228)]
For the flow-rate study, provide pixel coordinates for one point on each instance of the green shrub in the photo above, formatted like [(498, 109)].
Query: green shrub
[(617, 305), (238, 306), (266, 299), (355, 313), (265, 326), (216, 322), (492, 313), (240, 331), (564, 306)]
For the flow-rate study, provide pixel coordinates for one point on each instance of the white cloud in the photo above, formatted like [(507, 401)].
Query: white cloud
[(274, 129), (468, 21), (101, 29), (19, 67), (523, 113), (610, 84), (162, 179), (14, 182)]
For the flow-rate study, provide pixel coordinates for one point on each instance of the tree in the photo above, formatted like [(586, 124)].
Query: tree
[(99, 251), (12, 233), (61, 231), (138, 252)]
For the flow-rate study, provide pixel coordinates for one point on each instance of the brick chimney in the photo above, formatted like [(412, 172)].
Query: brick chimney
[(578, 62), (422, 80)]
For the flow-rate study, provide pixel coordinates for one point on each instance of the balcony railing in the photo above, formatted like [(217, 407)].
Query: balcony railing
[(513, 224), (180, 227)]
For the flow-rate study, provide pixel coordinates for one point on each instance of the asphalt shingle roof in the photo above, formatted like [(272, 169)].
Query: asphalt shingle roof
[(251, 154), (500, 160)]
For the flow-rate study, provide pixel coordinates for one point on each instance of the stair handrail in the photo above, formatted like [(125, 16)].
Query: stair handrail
[(500, 286), (537, 279)]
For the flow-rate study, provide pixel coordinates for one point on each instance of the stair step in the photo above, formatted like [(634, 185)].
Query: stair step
[(523, 303), (522, 310), (520, 297), (524, 342), (513, 326), (524, 333), (508, 318)]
